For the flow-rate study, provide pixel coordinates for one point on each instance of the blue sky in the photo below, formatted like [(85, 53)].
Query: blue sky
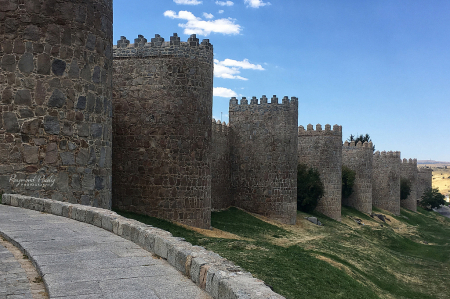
[(379, 67)]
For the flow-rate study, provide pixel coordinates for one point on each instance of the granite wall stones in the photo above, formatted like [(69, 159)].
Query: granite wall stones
[(409, 171), (424, 180), (264, 151), (359, 158), (322, 150), (162, 128), (53, 56), (221, 190), (386, 181)]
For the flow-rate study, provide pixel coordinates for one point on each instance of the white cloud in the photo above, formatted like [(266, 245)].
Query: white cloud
[(187, 2), (195, 25), (223, 92), (225, 3), (230, 69), (208, 15), (221, 11), (256, 3)]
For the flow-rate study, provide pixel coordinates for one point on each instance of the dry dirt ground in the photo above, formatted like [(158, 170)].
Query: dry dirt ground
[(441, 176)]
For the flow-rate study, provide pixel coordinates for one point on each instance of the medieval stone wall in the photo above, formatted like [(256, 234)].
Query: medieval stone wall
[(322, 150), (424, 180), (55, 99), (162, 128), (409, 171), (221, 190), (264, 151), (386, 181), (359, 158)]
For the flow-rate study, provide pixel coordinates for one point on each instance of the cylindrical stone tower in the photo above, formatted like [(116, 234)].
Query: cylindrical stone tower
[(322, 150), (55, 107), (386, 181), (162, 128), (410, 172)]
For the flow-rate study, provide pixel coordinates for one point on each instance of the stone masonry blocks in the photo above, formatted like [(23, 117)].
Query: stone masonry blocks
[(264, 153), (410, 172), (386, 181), (57, 53), (359, 158), (424, 181), (162, 128), (322, 150)]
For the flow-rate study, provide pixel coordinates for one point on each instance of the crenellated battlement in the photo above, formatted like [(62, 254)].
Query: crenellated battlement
[(366, 145), (336, 131), (410, 161), (158, 47), (425, 170), (218, 126), (384, 154), (263, 103)]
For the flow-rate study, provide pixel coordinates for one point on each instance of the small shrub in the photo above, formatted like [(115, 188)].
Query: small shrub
[(405, 188), (348, 180), (431, 199), (309, 188)]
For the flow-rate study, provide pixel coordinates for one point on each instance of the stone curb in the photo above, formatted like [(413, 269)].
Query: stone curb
[(211, 272)]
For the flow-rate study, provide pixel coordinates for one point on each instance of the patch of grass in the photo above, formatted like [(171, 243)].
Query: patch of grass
[(406, 258)]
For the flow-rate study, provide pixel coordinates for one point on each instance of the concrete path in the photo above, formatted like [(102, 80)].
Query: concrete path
[(444, 211), (79, 260)]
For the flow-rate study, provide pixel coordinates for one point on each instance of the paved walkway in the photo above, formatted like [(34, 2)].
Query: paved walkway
[(444, 211), (79, 260)]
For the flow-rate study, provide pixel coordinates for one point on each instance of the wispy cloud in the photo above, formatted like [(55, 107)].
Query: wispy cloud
[(196, 25), (230, 69), (208, 15), (221, 11), (224, 92), (256, 3), (187, 2), (225, 3)]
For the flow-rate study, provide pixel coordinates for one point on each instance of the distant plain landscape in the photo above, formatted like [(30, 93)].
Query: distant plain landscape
[(441, 174)]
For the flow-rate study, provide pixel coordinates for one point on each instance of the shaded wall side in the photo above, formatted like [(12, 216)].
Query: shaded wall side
[(324, 153), (386, 182), (264, 158), (55, 90), (360, 160), (221, 191), (409, 171), (162, 136)]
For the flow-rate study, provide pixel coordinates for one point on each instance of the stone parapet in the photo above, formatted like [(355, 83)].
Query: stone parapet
[(322, 150), (211, 272), (359, 157)]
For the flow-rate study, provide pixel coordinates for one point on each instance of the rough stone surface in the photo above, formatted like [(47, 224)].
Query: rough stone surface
[(264, 150), (359, 158), (43, 46), (386, 181), (424, 180), (162, 129), (409, 171), (322, 150)]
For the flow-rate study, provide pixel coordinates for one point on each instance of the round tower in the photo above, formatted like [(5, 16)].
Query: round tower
[(162, 128), (55, 107)]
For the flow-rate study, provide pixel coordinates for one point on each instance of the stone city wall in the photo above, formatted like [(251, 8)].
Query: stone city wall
[(359, 158), (221, 191), (424, 181), (162, 128), (409, 171), (322, 150), (55, 99), (386, 181), (264, 151)]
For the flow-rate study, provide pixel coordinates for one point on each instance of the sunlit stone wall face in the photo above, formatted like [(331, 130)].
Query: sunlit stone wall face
[(386, 181), (55, 99)]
